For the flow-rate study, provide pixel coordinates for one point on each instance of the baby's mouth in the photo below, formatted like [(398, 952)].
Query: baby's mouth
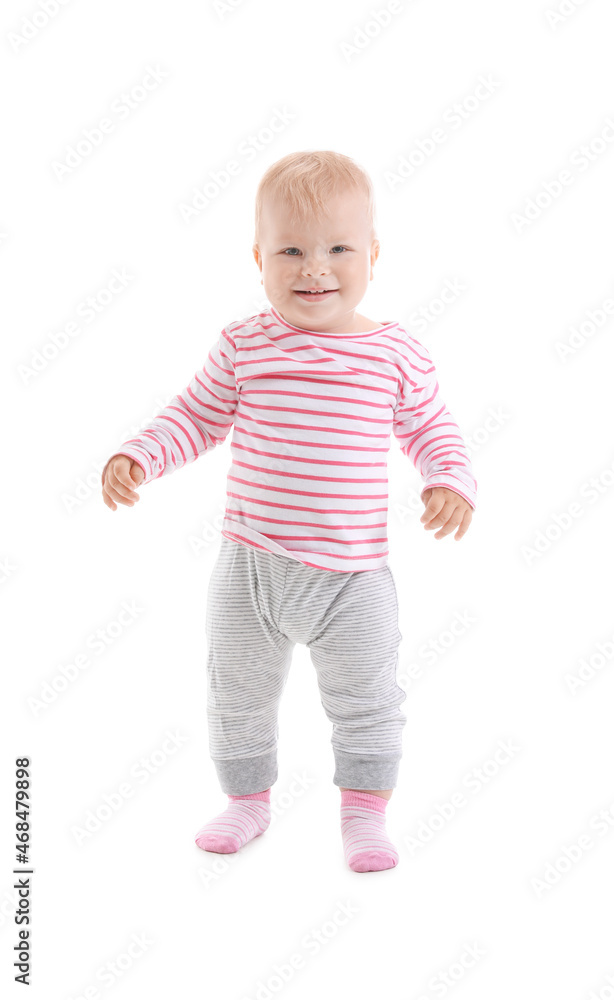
[(320, 295)]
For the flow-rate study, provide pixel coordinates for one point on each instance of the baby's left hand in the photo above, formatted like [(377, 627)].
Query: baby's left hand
[(446, 509)]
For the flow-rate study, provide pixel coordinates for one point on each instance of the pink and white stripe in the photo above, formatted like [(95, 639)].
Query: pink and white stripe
[(313, 415)]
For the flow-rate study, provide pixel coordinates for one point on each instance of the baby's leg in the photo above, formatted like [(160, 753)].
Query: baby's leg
[(247, 667), (356, 660), (384, 794)]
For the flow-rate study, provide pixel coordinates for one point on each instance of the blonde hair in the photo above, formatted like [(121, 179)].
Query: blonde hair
[(306, 180)]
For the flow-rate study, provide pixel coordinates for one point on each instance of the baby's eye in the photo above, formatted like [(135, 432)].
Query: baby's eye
[(288, 249)]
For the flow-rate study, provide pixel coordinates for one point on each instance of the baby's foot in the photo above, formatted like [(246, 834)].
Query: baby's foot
[(365, 842), (246, 817)]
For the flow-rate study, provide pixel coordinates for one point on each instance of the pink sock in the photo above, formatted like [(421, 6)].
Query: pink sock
[(246, 817), (363, 831)]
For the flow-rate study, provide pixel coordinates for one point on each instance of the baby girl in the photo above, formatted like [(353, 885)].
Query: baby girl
[(312, 390)]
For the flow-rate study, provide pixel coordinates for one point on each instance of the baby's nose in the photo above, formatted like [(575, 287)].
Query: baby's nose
[(316, 262)]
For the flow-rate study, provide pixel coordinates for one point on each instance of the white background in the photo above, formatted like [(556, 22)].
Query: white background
[(494, 875)]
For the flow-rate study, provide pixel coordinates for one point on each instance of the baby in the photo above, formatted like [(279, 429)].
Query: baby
[(314, 390)]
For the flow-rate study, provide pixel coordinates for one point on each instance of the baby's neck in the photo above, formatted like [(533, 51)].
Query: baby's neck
[(363, 325)]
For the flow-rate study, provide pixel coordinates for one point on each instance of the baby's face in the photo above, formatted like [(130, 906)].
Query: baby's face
[(333, 253)]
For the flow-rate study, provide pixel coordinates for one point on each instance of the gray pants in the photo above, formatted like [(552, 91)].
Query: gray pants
[(259, 605)]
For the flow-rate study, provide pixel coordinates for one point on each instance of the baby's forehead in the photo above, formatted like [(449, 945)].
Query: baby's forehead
[(327, 230), (325, 234)]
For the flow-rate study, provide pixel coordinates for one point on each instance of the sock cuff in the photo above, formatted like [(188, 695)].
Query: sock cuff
[(261, 796), (365, 800)]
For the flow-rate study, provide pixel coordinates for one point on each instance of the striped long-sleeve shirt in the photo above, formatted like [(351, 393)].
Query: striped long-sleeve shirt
[(312, 415)]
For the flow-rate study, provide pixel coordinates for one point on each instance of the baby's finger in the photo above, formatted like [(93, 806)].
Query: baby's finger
[(432, 508), (125, 477), (119, 497), (120, 487), (464, 525), (107, 500), (451, 524), (439, 515)]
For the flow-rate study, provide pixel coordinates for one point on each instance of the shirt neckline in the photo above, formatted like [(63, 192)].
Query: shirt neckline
[(318, 333)]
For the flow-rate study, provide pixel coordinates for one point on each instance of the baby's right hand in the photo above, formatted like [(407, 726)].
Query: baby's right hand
[(120, 476)]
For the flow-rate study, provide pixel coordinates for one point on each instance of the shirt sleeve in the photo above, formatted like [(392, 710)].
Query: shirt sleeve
[(427, 431), (196, 420)]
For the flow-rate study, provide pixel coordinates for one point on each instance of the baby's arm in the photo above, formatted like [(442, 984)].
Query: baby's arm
[(195, 421), (427, 431)]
